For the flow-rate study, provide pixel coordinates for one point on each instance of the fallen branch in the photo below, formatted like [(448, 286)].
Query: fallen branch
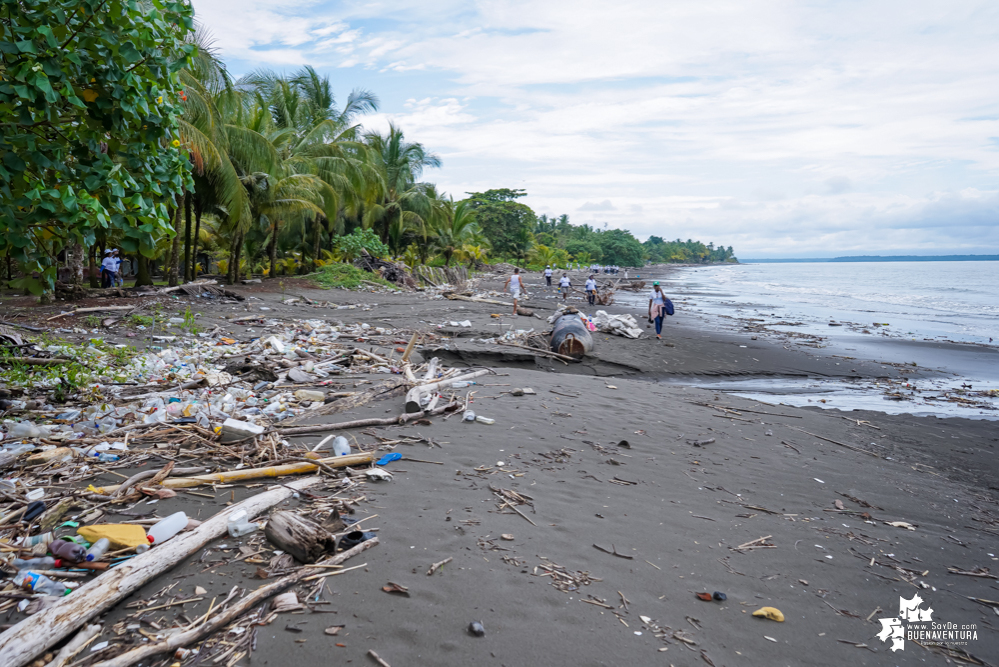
[(75, 645), (439, 564), (23, 642), (94, 309), (415, 394), (613, 552), (32, 361), (543, 353), (835, 442), (221, 619), (358, 423)]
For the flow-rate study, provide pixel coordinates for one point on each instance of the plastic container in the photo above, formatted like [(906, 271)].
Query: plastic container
[(167, 528), (485, 420), (17, 450), (240, 524), (39, 583), (99, 548), (35, 494), (107, 458), (46, 563), (23, 429), (67, 550), (469, 416), (44, 538), (341, 447)]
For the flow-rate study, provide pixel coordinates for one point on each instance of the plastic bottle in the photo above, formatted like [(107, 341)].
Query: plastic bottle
[(240, 525), (44, 538), (469, 416), (46, 563), (99, 548), (17, 450), (107, 458), (341, 447), (67, 550), (23, 429), (39, 583), (167, 528), (485, 420)]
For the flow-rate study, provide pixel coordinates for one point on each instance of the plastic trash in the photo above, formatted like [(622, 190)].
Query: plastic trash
[(353, 538), (773, 613), (485, 420), (35, 494), (476, 628), (46, 563), (121, 535), (310, 395), (167, 528), (17, 450), (33, 510), (67, 550), (44, 538), (469, 416), (388, 458), (234, 429), (99, 548), (721, 597), (39, 583), (462, 384), (341, 447), (25, 429), (240, 524)]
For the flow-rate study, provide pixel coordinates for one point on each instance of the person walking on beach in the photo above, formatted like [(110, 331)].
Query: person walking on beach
[(116, 279), (108, 267), (591, 290), (657, 308), (564, 284), (548, 275), (515, 284)]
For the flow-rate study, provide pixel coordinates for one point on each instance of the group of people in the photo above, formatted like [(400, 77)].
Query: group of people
[(612, 269), (111, 269), (659, 305)]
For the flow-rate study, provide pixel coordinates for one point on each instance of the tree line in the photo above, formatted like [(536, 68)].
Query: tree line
[(128, 131)]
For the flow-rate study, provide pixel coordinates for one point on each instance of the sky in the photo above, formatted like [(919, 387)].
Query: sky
[(783, 129)]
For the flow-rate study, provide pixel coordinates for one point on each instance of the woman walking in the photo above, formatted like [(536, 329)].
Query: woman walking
[(657, 308), (515, 284)]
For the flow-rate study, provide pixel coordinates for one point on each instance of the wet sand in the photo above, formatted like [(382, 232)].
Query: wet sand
[(674, 511)]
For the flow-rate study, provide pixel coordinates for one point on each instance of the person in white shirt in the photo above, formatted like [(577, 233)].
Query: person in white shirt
[(116, 278), (657, 308), (108, 267), (548, 275), (591, 290), (516, 285), (564, 284)]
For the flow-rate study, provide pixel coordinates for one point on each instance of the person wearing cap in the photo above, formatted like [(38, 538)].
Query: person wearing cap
[(564, 284), (591, 290), (116, 279), (548, 275), (108, 267), (657, 308)]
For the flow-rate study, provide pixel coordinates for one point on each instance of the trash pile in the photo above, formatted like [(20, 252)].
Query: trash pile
[(91, 464), (619, 325)]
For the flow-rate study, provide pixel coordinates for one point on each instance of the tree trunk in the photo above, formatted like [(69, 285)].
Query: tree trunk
[(316, 239), (187, 239), (142, 272), (230, 275), (174, 257), (275, 229), (74, 258), (95, 277), (197, 235)]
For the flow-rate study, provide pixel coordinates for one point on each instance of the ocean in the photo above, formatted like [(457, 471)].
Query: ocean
[(941, 316)]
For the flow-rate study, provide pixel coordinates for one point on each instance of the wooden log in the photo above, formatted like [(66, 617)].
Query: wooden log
[(359, 423), (414, 395), (303, 539), (94, 309), (255, 473), (356, 400), (32, 361), (221, 619), (26, 640), (75, 645)]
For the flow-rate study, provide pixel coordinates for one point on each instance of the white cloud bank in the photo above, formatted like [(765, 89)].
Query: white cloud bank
[(781, 128)]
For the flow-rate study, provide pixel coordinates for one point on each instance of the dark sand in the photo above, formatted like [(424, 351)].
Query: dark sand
[(677, 510)]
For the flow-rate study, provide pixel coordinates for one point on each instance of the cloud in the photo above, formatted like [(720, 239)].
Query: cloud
[(605, 205), (798, 127)]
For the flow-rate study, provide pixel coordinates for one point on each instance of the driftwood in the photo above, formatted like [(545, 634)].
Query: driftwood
[(358, 423), (256, 473), (355, 400), (75, 645), (301, 538), (223, 618), (26, 640), (32, 361), (541, 353), (416, 393), (94, 309)]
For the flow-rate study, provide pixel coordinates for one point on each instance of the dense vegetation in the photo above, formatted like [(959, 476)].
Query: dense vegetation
[(120, 127)]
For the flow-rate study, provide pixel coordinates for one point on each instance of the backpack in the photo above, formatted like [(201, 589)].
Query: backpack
[(669, 307)]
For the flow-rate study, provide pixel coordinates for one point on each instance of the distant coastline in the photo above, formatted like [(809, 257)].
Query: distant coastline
[(879, 258)]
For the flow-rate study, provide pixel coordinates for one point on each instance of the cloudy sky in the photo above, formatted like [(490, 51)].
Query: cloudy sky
[(785, 129)]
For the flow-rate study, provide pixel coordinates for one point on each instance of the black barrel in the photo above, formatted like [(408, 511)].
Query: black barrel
[(570, 337)]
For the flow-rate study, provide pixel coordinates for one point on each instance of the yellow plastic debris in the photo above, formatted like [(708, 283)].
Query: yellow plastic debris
[(121, 535), (773, 613)]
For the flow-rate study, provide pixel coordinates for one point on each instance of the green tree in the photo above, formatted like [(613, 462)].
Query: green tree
[(619, 247), (89, 106), (506, 222), (453, 226)]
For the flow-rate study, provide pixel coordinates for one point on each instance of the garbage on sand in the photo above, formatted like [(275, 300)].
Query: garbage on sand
[(619, 325)]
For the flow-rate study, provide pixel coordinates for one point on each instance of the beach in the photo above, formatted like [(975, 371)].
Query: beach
[(637, 490)]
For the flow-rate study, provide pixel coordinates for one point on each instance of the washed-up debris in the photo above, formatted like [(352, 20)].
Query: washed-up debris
[(771, 613), (619, 325)]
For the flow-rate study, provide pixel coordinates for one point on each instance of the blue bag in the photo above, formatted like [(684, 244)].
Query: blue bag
[(669, 307)]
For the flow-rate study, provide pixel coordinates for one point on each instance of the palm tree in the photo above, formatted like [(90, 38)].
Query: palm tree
[(453, 227), (402, 204)]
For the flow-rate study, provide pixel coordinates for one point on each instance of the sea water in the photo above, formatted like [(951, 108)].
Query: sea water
[(940, 317)]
